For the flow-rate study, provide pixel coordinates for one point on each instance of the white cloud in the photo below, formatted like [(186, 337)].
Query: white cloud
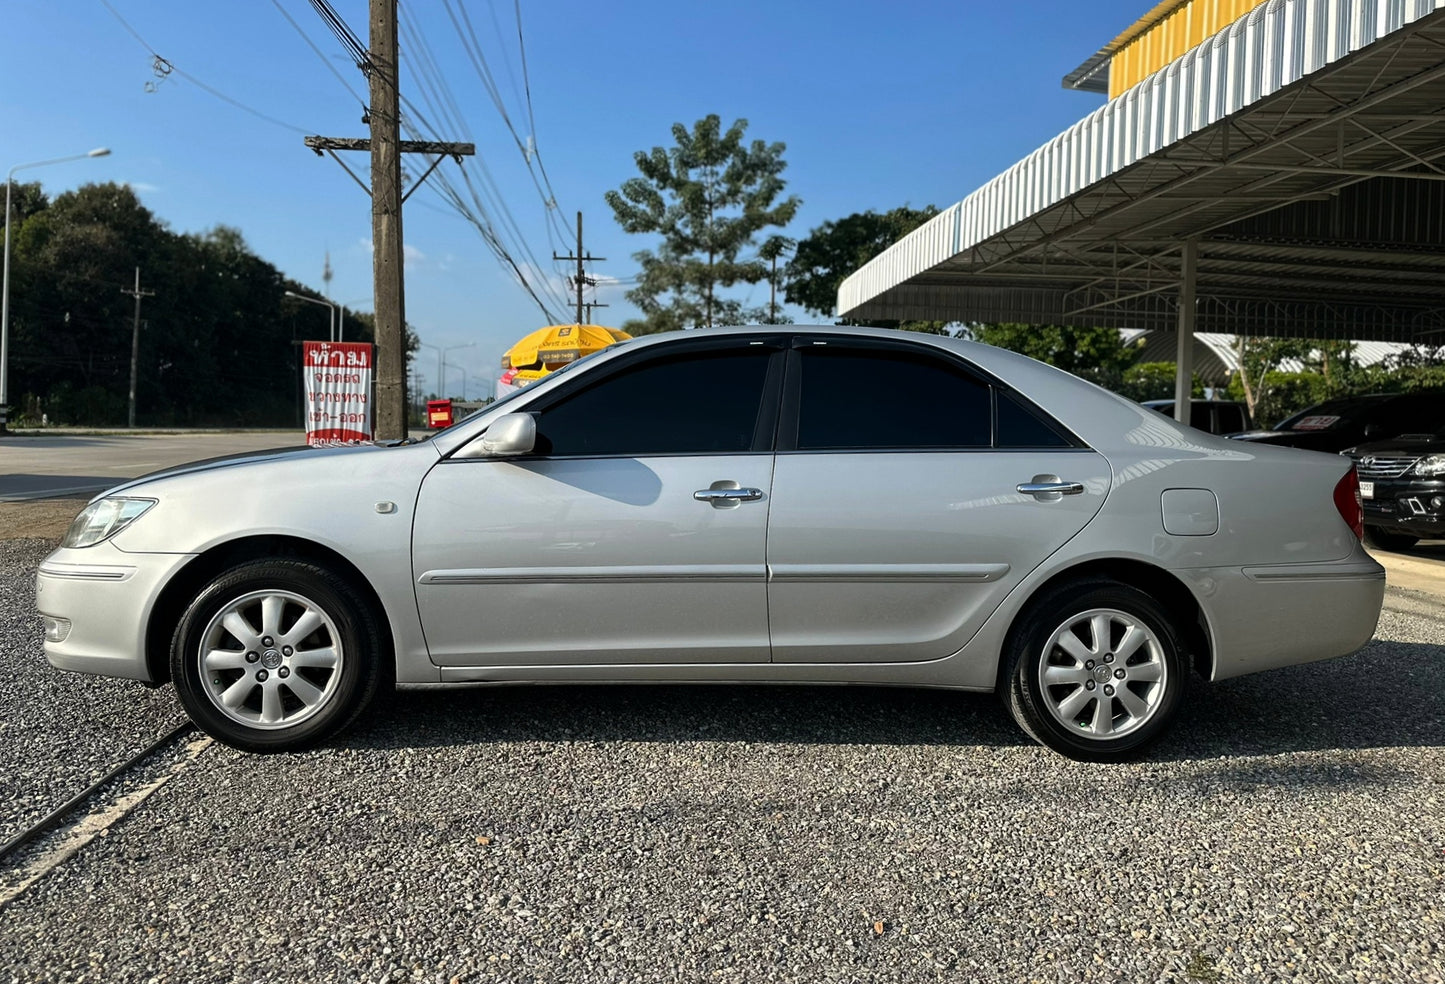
[(141, 187)]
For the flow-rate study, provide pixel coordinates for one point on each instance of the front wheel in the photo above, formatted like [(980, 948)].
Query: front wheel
[(276, 655), (1096, 671)]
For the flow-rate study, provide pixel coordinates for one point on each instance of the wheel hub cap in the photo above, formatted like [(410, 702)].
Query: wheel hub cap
[(271, 659)]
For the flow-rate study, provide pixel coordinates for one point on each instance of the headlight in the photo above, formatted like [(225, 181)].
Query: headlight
[(1430, 465), (104, 519)]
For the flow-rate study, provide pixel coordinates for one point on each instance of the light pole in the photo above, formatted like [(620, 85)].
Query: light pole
[(441, 363), (341, 321), (5, 278), (330, 317)]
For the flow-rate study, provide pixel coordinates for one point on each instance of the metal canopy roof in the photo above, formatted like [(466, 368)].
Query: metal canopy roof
[(1302, 149)]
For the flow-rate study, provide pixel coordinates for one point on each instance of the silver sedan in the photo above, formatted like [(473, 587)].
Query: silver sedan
[(764, 504)]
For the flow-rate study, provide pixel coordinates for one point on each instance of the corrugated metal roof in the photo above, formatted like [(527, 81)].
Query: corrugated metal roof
[(1329, 109)]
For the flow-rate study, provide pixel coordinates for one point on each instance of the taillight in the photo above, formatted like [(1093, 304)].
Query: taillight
[(1349, 502)]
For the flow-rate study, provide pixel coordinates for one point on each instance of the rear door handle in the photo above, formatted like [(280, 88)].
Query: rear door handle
[(1047, 488)]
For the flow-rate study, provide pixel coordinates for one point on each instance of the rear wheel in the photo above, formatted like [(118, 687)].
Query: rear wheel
[(1096, 671), (276, 655), (1378, 536)]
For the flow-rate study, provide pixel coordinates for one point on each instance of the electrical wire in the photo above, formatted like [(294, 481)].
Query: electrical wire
[(165, 66), (319, 53)]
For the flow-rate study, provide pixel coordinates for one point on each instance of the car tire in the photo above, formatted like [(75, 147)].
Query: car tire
[(276, 655), (1384, 539), (1095, 671)]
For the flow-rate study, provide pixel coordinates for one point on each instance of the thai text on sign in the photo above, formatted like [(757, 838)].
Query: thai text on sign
[(338, 392)]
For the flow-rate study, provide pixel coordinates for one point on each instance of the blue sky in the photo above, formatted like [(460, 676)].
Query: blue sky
[(879, 104)]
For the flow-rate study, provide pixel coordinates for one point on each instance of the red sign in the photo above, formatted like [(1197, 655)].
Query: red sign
[(338, 392)]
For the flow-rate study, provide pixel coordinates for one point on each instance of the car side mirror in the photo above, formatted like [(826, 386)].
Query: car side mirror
[(510, 434)]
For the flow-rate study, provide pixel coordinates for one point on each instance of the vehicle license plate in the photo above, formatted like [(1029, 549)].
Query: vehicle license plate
[(1367, 490)]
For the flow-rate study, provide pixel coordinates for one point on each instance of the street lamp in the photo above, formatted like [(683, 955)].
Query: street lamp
[(441, 362), (331, 328), (341, 321), (5, 278)]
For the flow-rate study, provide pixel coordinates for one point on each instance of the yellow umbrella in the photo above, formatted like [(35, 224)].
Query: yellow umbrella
[(557, 345)]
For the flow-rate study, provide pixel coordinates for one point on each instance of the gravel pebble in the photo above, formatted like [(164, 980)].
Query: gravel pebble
[(1290, 829), (59, 732)]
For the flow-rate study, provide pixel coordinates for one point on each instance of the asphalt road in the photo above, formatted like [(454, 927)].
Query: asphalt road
[(59, 466), (1289, 829)]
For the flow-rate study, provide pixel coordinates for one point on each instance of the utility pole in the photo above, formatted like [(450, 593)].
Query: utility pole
[(387, 281), (589, 305), (581, 280), (386, 148), (137, 293), (773, 293)]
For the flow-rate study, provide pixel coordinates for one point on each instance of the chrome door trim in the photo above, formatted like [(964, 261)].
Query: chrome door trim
[(730, 573), (835, 573)]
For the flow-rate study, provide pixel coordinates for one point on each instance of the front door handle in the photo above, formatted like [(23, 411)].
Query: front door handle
[(726, 494), (1047, 488)]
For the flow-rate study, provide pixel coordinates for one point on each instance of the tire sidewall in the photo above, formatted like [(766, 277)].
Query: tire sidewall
[(1027, 701), (354, 627)]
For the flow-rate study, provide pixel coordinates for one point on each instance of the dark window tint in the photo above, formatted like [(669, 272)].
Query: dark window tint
[(1020, 427), (872, 398), (704, 402), (1231, 419)]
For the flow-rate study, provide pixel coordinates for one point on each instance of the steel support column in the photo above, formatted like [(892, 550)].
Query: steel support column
[(1184, 358)]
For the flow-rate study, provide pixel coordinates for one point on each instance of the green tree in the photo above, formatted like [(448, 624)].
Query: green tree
[(1095, 354), (707, 197), (216, 342), (838, 248)]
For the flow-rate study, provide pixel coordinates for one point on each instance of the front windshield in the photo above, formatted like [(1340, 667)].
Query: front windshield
[(524, 389), (1322, 417)]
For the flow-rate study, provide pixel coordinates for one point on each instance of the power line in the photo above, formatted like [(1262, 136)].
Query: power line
[(319, 54), (165, 67)]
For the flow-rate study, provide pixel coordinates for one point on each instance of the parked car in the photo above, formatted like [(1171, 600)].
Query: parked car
[(1214, 416), (1349, 420), (1402, 485), (786, 505)]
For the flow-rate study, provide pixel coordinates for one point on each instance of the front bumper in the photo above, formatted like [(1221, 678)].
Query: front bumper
[(1413, 507), (106, 596)]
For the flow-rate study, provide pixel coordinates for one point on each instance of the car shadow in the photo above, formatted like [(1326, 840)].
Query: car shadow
[(1390, 694)]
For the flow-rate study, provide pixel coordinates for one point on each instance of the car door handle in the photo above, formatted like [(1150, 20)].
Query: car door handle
[(1049, 487), (716, 496)]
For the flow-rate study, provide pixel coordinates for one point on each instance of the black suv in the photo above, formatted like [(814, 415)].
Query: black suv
[(1402, 483), (1349, 420)]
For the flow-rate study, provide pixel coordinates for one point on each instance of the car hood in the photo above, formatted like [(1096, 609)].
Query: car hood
[(293, 452), (1411, 443)]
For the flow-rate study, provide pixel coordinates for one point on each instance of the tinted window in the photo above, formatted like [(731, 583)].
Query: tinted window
[(872, 398), (1019, 427), (699, 403), (1231, 418)]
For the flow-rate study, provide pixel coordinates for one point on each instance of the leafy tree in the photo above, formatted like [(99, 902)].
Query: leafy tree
[(707, 197), (216, 343), (1258, 359), (1096, 354), (1154, 381), (838, 248)]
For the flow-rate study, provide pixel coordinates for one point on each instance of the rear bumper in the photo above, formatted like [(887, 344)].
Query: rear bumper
[(106, 595), (1262, 618)]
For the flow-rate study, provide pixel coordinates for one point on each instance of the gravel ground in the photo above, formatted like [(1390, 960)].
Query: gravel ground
[(59, 732), (1289, 830)]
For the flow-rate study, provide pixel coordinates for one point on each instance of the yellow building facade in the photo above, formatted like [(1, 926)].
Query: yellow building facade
[(1159, 37)]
